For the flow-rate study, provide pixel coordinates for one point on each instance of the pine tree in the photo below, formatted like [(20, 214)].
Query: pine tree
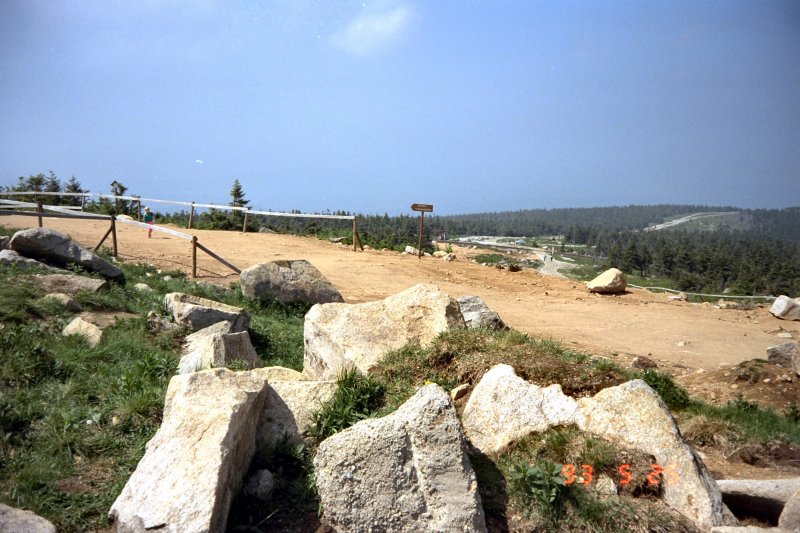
[(73, 186)]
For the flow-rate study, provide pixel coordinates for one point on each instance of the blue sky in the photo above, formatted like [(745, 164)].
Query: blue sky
[(369, 106)]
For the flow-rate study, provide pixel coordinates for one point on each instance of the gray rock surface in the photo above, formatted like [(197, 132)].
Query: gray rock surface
[(69, 284), (193, 467), (760, 498), (10, 257), (786, 308), (143, 287), (197, 313), (478, 315), (782, 354), (288, 282), (87, 330), (216, 347), (406, 472), (337, 336), (261, 485), (634, 414), (503, 408), (612, 281), (20, 521), (56, 248)]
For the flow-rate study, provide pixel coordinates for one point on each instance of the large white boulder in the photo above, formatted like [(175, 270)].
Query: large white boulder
[(197, 313), (790, 516), (56, 248), (786, 308), (289, 282), (761, 498), (503, 408), (340, 336), (193, 467), (634, 414), (216, 347), (612, 281), (405, 472)]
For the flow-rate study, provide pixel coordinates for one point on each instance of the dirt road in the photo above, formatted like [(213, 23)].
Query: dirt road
[(636, 323)]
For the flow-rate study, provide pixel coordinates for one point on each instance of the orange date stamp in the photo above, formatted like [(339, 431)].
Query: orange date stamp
[(586, 475)]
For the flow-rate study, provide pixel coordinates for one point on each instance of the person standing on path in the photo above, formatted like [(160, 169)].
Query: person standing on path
[(149, 218)]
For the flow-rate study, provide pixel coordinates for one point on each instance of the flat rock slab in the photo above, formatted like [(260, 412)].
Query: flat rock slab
[(503, 408), (197, 313), (64, 299), (338, 336), (56, 248), (70, 284), (790, 516), (407, 471), (288, 282), (20, 521), (193, 467), (763, 499)]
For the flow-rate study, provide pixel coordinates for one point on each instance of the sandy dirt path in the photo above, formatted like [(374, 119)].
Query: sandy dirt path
[(636, 323)]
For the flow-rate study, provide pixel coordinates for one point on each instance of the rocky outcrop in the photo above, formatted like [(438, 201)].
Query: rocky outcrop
[(786, 308), (69, 284), (634, 414), (760, 498), (337, 337), (216, 347), (612, 281), (405, 472), (87, 330), (10, 257), (193, 467), (18, 520), (503, 408), (54, 247), (478, 315), (197, 313), (783, 354), (288, 409), (288, 282)]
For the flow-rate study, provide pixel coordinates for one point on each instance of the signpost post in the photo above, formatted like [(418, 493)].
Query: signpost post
[(422, 208)]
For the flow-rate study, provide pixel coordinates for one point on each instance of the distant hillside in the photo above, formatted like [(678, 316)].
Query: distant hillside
[(530, 222)]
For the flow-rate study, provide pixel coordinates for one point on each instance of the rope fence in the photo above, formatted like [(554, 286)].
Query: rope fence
[(770, 298), (192, 205)]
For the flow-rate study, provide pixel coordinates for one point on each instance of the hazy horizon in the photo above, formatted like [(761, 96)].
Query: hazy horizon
[(371, 106)]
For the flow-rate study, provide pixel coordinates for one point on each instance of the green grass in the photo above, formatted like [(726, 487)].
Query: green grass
[(357, 398), (74, 419)]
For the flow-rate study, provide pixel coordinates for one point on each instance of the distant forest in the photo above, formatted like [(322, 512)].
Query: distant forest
[(747, 252)]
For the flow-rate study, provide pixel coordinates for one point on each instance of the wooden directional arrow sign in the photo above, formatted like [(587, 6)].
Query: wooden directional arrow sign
[(425, 208)]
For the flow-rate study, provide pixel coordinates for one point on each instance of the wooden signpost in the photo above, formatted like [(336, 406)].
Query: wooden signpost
[(422, 208)]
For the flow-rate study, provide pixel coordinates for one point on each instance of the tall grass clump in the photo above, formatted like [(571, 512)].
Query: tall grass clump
[(357, 397)]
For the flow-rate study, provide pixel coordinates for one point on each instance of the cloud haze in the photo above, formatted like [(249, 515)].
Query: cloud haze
[(375, 28)]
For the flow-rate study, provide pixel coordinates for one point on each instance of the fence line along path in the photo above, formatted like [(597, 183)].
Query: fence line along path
[(192, 205)]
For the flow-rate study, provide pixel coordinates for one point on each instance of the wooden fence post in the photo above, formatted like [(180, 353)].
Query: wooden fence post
[(83, 203), (191, 215), (355, 232), (114, 233), (39, 210), (421, 226), (139, 210), (194, 254), (244, 227)]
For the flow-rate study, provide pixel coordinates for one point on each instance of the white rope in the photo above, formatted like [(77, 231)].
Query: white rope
[(701, 294)]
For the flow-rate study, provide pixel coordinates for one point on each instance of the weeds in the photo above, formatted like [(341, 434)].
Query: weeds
[(357, 397)]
